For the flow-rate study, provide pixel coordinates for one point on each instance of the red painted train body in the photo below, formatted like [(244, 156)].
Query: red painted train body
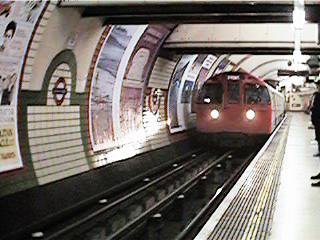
[(235, 107)]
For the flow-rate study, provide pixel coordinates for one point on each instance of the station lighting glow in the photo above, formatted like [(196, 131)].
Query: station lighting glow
[(250, 114), (207, 100), (215, 114), (299, 16), (121, 153)]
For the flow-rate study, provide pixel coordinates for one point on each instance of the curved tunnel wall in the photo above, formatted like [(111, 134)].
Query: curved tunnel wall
[(56, 97), (91, 95)]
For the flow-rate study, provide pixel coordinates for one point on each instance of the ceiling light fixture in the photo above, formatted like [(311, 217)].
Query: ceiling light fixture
[(298, 18)]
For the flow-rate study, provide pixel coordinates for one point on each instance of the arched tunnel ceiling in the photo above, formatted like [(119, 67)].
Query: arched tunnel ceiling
[(264, 66), (261, 38), (260, 49), (234, 27)]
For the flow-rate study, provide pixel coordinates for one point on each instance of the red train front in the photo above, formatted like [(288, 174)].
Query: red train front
[(238, 106)]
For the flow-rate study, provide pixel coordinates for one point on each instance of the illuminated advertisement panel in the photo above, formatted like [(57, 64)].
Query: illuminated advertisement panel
[(102, 90), (17, 21), (139, 65)]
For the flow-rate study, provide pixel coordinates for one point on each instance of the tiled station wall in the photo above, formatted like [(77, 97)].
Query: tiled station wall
[(50, 136), (20, 179), (55, 142), (54, 138), (159, 79)]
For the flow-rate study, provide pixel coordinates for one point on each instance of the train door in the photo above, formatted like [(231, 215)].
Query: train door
[(233, 104)]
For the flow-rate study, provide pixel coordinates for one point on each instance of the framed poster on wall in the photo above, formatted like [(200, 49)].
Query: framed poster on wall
[(102, 88), (175, 107), (17, 21), (140, 64)]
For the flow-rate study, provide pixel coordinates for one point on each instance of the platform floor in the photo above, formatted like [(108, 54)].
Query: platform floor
[(295, 210)]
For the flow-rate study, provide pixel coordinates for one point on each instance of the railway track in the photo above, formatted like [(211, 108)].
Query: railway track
[(161, 206), (184, 218)]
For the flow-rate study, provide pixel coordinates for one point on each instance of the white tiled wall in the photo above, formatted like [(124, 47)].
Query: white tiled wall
[(161, 73), (55, 142), (35, 45), (157, 130)]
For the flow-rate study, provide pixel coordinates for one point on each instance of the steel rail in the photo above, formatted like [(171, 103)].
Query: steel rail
[(128, 227), (220, 194), (118, 201)]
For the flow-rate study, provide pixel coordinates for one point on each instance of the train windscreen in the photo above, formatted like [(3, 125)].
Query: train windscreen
[(211, 93), (256, 94), (233, 91)]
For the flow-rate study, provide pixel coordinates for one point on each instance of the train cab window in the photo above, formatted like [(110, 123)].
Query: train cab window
[(256, 94), (233, 91), (211, 93)]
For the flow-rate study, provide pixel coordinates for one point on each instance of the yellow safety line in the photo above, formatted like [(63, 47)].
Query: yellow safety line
[(255, 212), (256, 217)]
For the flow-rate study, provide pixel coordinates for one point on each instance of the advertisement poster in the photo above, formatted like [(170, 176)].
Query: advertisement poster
[(8, 143), (17, 21), (222, 65), (186, 91), (103, 85), (153, 97), (191, 78), (209, 61), (139, 66), (206, 66), (131, 110), (141, 60), (174, 91)]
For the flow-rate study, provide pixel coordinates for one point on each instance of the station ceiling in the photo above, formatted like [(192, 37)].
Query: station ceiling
[(187, 11), (247, 28), (231, 38)]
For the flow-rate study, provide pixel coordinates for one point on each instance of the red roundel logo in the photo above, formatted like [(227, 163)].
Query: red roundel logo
[(154, 101), (59, 90)]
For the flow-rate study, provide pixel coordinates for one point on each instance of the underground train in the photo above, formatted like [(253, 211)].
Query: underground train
[(237, 109)]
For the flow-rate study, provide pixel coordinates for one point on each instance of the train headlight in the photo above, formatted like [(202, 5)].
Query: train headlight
[(250, 114), (215, 114)]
